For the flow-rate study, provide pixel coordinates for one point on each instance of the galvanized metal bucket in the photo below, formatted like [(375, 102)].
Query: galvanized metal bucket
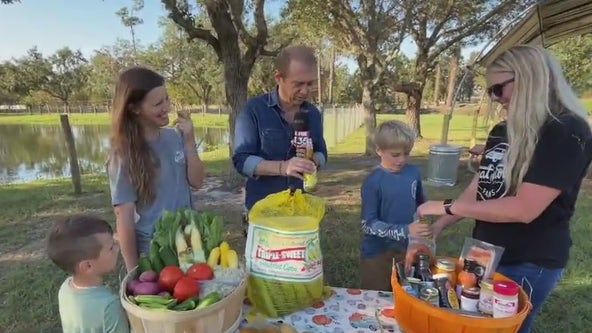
[(443, 163)]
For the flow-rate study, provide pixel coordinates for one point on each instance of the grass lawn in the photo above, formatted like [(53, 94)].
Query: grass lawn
[(588, 104), (201, 120), (29, 282)]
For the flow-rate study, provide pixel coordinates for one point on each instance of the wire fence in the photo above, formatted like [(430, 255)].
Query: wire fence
[(103, 107), (340, 121)]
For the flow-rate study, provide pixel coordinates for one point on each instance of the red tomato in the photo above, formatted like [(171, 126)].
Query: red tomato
[(168, 277), (186, 288), (200, 271)]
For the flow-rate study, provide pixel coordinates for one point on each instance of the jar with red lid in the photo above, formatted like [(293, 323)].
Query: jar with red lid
[(505, 298)]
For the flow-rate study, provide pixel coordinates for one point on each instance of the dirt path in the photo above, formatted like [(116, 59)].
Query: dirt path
[(339, 184)]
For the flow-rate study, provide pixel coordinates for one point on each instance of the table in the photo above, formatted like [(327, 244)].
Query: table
[(347, 310)]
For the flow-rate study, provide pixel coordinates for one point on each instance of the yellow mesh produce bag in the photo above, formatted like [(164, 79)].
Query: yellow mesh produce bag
[(283, 253)]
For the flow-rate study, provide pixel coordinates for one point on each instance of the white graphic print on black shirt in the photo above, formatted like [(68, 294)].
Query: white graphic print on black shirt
[(491, 172), (561, 157)]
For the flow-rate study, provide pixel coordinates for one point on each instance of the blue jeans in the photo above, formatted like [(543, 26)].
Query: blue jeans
[(542, 280)]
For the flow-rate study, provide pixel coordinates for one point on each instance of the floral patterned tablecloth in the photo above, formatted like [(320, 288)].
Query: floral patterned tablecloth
[(346, 311)]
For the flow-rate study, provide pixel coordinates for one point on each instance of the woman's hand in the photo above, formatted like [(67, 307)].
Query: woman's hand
[(438, 226), (185, 126), (431, 208)]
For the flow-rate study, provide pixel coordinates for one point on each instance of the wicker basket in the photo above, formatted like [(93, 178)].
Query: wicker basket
[(416, 316), (223, 316)]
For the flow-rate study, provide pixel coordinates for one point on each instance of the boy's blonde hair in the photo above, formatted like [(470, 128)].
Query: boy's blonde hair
[(394, 134)]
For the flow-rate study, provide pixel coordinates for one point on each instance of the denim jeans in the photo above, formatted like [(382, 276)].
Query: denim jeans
[(542, 280)]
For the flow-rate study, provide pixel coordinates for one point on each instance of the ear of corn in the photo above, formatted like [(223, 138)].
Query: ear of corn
[(196, 244), (180, 243)]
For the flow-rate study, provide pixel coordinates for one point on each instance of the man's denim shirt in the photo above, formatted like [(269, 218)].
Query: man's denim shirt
[(261, 133)]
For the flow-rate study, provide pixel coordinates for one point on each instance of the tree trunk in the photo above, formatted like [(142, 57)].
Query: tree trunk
[(453, 76), (413, 111), (72, 156), (319, 82), (369, 116), (135, 50), (437, 85), (475, 122), (235, 86), (331, 75)]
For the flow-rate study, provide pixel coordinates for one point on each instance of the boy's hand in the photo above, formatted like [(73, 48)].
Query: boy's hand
[(418, 229)]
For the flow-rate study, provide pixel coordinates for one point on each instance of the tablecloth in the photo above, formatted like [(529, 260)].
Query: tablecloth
[(347, 310)]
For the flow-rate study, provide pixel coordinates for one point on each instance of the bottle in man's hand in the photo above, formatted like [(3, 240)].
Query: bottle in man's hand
[(304, 147)]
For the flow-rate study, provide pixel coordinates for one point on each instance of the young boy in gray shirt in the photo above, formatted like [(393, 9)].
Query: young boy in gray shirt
[(84, 247)]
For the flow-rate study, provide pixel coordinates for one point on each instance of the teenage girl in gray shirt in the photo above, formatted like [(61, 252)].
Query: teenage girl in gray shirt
[(150, 167)]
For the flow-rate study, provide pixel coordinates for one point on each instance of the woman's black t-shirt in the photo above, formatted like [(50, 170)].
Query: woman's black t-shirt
[(561, 159)]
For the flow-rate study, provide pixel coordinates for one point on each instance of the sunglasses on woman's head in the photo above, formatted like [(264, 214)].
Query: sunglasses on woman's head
[(497, 89)]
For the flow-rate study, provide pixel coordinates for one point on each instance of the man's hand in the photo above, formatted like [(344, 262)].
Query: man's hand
[(296, 167)]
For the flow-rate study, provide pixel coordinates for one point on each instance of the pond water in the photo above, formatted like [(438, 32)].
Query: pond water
[(29, 152)]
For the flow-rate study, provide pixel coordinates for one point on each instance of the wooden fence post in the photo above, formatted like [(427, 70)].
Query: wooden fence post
[(74, 168)]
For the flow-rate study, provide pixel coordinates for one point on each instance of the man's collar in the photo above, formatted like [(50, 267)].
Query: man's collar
[(274, 100)]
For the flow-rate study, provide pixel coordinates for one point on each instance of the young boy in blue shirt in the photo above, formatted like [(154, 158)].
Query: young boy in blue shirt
[(391, 194), (83, 246)]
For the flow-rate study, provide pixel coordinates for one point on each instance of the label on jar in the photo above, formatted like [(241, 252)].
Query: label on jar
[(486, 302), (469, 304), (504, 307), (411, 290)]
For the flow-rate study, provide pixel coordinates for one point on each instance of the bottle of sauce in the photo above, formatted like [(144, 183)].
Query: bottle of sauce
[(443, 285), (466, 278), (423, 268), (304, 146)]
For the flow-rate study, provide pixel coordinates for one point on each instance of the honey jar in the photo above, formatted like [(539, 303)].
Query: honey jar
[(446, 266)]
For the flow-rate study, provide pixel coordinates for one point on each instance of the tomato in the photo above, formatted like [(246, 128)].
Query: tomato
[(168, 277), (186, 288), (200, 271)]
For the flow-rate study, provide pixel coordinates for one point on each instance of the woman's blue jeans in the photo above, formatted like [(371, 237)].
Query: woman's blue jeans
[(542, 280)]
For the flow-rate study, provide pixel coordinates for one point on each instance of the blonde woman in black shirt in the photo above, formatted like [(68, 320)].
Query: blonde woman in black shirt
[(524, 194)]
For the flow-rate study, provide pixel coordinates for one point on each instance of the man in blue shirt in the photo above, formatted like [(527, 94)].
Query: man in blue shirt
[(263, 150)]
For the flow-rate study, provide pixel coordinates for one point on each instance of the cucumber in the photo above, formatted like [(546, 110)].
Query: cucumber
[(144, 263), (155, 260), (168, 257)]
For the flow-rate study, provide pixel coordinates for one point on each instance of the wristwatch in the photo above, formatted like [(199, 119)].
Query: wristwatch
[(447, 204)]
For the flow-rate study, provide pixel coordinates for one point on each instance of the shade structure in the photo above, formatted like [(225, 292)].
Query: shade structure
[(546, 23)]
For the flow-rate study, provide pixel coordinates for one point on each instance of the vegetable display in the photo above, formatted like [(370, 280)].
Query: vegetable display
[(189, 265)]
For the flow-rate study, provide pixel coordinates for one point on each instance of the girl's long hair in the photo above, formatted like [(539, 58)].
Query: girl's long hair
[(128, 144), (540, 91)]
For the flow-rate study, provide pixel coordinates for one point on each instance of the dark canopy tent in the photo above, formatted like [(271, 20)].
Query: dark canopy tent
[(545, 24)]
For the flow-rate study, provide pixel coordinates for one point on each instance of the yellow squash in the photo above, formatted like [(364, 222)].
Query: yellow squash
[(232, 259), (214, 257), (224, 248)]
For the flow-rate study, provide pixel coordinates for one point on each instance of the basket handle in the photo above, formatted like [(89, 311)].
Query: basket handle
[(530, 288), (121, 274)]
